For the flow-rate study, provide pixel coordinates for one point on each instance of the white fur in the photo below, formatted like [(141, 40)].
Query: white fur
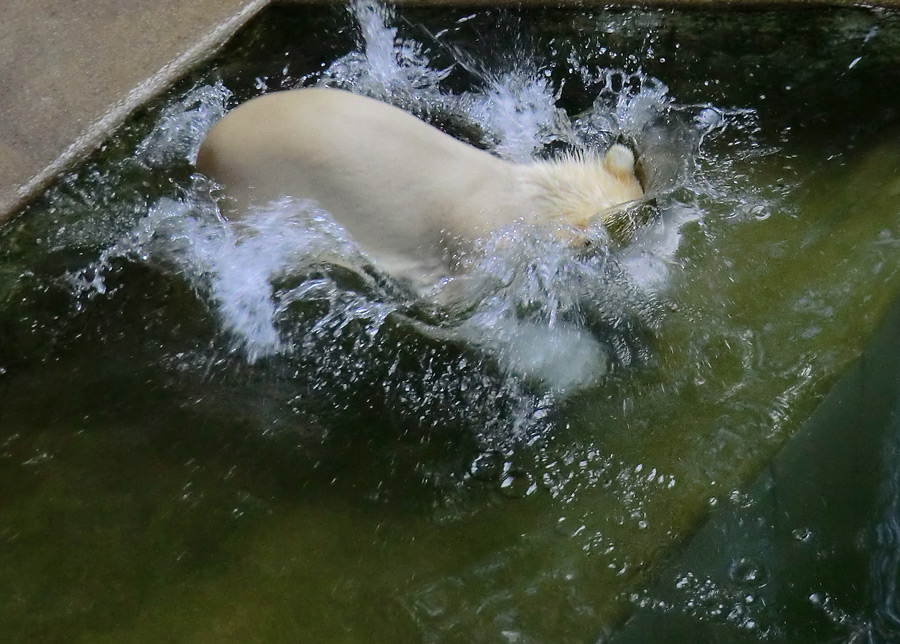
[(411, 196)]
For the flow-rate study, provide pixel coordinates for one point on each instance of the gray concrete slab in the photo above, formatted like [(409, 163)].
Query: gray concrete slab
[(73, 69)]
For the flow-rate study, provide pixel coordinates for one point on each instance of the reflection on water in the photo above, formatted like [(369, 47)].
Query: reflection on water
[(255, 434)]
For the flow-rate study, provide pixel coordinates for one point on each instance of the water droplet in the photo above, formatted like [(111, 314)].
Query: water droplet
[(562, 527), (803, 535), (486, 466), (517, 484)]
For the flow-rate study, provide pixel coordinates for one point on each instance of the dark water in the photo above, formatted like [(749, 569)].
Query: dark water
[(200, 442)]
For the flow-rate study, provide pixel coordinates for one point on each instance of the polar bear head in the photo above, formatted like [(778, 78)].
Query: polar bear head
[(581, 189)]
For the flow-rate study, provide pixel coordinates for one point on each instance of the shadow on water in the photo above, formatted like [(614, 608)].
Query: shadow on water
[(212, 440)]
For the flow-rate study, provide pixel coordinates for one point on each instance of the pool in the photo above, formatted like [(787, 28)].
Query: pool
[(208, 437)]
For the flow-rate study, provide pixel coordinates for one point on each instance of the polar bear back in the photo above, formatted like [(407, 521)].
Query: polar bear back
[(398, 185)]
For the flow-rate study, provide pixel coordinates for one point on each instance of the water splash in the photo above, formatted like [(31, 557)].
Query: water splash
[(182, 126), (550, 318), (517, 112), (386, 67)]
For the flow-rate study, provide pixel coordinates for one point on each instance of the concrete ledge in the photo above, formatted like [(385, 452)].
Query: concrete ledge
[(75, 69)]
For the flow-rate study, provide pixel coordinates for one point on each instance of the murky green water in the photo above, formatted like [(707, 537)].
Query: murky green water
[(373, 483)]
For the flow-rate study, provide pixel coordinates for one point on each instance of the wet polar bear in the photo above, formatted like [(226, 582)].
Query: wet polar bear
[(412, 197)]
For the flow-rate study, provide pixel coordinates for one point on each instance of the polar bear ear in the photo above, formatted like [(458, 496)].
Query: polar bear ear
[(619, 161)]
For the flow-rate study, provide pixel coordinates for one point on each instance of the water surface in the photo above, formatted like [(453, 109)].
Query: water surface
[(211, 438)]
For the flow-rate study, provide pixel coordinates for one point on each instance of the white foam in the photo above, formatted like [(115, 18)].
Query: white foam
[(518, 112)]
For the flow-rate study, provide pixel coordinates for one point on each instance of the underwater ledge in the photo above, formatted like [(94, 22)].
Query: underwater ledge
[(818, 526)]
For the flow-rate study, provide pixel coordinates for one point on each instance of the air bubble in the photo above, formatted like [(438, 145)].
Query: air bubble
[(748, 571), (803, 535)]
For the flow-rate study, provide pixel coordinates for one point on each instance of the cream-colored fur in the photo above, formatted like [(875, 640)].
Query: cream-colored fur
[(411, 196)]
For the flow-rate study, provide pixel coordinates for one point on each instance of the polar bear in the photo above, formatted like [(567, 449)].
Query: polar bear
[(412, 197)]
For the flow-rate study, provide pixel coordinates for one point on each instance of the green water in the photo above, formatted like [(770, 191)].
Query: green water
[(157, 487)]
